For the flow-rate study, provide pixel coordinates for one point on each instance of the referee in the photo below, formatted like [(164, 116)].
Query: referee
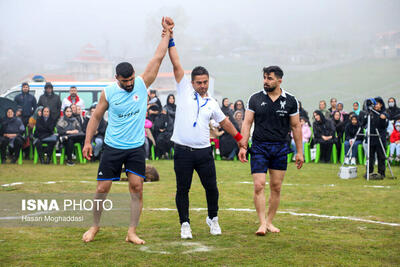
[(274, 111), (195, 109)]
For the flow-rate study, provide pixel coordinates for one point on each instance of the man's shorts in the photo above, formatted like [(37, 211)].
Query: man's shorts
[(268, 155), (112, 160)]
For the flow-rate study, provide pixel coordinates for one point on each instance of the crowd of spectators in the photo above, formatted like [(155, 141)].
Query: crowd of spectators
[(52, 123), (47, 124)]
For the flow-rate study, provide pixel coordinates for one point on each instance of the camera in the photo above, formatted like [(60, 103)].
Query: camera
[(370, 103)]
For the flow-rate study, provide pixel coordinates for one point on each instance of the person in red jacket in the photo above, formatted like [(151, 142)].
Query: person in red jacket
[(395, 142)]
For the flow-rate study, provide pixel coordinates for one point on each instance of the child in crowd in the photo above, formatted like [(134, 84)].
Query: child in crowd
[(395, 142)]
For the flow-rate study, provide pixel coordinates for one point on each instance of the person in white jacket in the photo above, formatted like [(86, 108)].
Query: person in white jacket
[(73, 98)]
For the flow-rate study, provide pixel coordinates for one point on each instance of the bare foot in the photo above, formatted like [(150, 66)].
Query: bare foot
[(89, 235), (272, 229), (133, 238), (262, 230)]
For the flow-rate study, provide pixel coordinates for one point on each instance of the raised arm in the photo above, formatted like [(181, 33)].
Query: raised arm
[(93, 124), (173, 56), (151, 71)]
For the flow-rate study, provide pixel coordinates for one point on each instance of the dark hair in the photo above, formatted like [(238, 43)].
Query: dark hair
[(275, 69), (48, 85), (73, 86), (322, 117), (199, 70), (66, 109), (23, 84), (380, 100), (124, 69)]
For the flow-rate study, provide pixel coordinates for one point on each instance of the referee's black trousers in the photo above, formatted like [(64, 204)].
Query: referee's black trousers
[(185, 162)]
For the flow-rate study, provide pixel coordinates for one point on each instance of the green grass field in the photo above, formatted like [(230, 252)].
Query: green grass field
[(303, 241)]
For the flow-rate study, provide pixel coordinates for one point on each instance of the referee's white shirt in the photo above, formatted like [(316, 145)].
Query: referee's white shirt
[(189, 112)]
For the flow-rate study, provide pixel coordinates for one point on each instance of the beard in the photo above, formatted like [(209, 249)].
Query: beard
[(269, 89), (128, 88)]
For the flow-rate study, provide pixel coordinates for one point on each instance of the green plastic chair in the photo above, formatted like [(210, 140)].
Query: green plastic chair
[(334, 157), (361, 156), (19, 161), (342, 154), (153, 153), (53, 156), (78, 153)]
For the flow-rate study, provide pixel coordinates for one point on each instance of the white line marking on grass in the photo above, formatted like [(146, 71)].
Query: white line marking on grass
[(50, 182), (147, 249), (337, 217), (290, 213), (198, 247), (377, 186), (27, 215), (12, 184)]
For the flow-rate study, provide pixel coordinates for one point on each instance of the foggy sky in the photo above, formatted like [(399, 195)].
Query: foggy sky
[(52, 31)]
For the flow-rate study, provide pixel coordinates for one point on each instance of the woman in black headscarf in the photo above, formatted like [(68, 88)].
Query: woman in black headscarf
[(324, 134), (170, 107), (225, 107), (12, 130), (44, 134), (70, 132)]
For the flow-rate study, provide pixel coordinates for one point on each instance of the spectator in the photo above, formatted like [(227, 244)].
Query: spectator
[(29, 128), (228, 145), (73, 98), (333, 106), (44, 134), (12, 129), (393, 111), (323, 109), (170, 107), (27, 102), (239, 105), (343, 114), (18, 113), (303, 113), (238, 116), (154, 105), (324, 134), (98, 137), (163, 130), (51, 100), (339, 130), (231, 107), (77, 113), (306, 134), (214, 134), (148, 136), (379, 122), (357, 108), (395, 142), (70, 132), (33, 119), (225, 107), (352, 140)]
